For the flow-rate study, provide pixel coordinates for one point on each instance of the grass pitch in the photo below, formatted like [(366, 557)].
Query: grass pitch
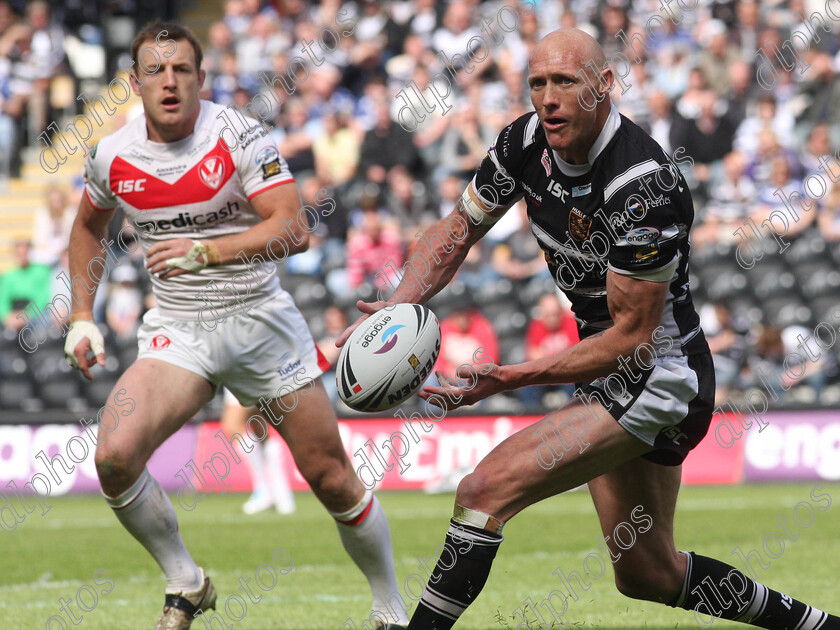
[(57, 555)]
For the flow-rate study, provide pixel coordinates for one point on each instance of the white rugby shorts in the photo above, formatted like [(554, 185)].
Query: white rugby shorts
[(266, 352)]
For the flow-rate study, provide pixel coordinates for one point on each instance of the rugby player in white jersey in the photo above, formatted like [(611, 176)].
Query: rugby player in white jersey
[(199, 199)]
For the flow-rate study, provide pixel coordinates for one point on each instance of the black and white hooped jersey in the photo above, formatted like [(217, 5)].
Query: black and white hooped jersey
[(628, 210)]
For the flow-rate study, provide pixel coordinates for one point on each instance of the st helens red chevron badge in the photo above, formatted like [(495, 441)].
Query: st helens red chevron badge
[(546, 162), (159, 342), (211, 171)]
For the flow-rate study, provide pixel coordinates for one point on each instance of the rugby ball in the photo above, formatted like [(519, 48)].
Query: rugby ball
[(388, 357)]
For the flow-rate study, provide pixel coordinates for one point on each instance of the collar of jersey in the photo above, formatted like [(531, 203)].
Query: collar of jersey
[(611, 125), (167, 149)]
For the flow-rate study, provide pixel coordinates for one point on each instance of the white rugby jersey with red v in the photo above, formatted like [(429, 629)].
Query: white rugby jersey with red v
[(193, 188)]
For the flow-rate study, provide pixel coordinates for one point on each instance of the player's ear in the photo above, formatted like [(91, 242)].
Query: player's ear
[(201, 76), (609, 79), (135, 81)]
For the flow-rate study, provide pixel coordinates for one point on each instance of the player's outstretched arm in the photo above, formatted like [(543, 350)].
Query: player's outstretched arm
[(434, 259), (636, 310), (89, 228), (277, 207)]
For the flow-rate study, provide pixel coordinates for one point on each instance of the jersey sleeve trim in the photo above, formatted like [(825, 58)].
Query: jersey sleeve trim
[(269, 187), (95, 207), (660, 274)]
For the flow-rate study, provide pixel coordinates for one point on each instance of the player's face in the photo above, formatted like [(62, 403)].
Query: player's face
[(169, 93), (555, 80)]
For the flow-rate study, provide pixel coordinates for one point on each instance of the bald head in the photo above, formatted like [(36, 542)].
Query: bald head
[(572, 43), (572, 104)]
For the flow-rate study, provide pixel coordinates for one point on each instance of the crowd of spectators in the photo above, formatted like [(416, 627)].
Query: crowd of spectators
[(336, 119)]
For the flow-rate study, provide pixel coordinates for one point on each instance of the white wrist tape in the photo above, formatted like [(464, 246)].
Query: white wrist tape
[(189, 261), (78, 331)]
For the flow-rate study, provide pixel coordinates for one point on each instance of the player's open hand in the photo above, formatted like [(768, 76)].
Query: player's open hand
[(474, 385), (165, 258), (368, 308)]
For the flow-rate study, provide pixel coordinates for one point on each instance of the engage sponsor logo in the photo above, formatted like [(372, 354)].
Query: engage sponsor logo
[(374, 331), (642, 235), (389, 339)]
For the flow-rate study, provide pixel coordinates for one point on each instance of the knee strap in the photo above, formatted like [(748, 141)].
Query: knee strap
[(466, 516)]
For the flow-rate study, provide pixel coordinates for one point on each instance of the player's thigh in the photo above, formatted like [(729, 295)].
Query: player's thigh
[(567, 448), (162, 397), (309, 427), (636, 503)]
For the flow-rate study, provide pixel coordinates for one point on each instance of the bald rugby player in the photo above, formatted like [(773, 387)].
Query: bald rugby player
[(612, 213)]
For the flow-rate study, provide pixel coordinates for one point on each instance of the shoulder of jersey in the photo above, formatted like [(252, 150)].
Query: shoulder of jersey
[(215, 120), (633, 142), (515, 139), (110, 146)]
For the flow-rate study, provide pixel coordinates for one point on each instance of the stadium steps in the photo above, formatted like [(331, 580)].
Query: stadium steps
[(200, 15)]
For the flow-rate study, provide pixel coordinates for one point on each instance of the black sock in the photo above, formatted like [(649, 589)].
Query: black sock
[(458, 578), (713, 588)]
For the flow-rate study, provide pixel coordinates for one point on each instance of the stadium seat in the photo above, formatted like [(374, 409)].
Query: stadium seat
[(770, 279), (787, 311), (808, 246), (315, 319), (512, 350), (291, 281), (454, 296), (126, 356), (96, 392), (61, 391), (531, 293), (726, 284), (312, 294), (827, 309), (18, 392), (507, 321), (494, 293), (818, 279)]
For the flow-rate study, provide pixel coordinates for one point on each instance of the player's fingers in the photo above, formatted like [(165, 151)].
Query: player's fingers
[(346, 334), (371, 307), (172, 271), (157, 247), (81, 358), (159, 258), (432, 390)]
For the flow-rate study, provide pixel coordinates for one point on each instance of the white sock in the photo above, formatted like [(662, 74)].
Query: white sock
[(367, 539), (256, 464), (148, 515), (278, 484)]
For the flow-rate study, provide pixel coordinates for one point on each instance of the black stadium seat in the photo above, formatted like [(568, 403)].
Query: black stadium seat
[(312, 294), (819, 281), (501, 291), (787, 311), (17, 392), (770, 279), (808, 246), (61, 391), (96, 392), (727, 284)]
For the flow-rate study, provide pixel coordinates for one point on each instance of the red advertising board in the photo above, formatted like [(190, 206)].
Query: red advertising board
[(439, 456)]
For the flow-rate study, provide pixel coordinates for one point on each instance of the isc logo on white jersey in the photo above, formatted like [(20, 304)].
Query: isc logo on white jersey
[(131, 185)]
